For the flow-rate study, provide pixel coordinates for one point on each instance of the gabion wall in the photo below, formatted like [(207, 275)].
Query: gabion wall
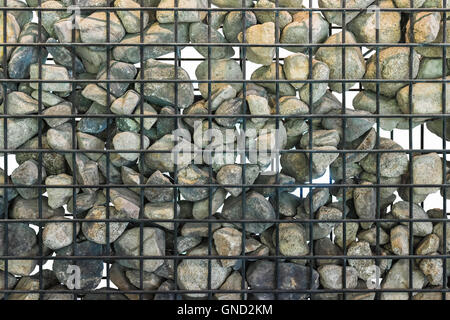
[(224, 149)]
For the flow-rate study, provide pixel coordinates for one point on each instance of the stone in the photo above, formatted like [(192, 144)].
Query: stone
[(63, 57), (401, 210), (433, 269), (228, 242), (233, 24), (50, 17), (407, 3), (400, 240), (367, 101), (232, 174), (60, 137), (392, 164), (325, 247), (164, 95), (154, 245), (20, 103), (186, 243), (321, 72), (398, 278), (331, 277), (426, 169), (50, 73), (28, 174), (364, 26), (268, 73), (90, 142), (29, 209), (297, 32), (364, 267), (193, 273), (130, 141), (57, 197), (365, 201), (287, 203), (125, 202), (200, 209), (428, 245), (11, 34), (91, 270), (222, 69), (430, 68), (370, 235), (183, 16), (233, 282), (158, 194), (8, 284), (162, 211), (93, 29), (117, 71), (423, 94), (198, 33), (332, 56), (336, 16), (57, 235), (98, 231), (284, 17), (156, 33), (131, 20), (193, 175), (425, 27), (351, 230), (22, 241), (291, 276), (58, 111), (296, 67), (256, 35), (320, 196), (292, 239), (257, 208), (393, 65)]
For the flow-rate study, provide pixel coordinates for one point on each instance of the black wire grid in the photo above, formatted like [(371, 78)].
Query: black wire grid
[(108, 256)]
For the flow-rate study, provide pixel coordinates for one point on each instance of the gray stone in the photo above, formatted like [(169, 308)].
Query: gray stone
[(257, 208), (233, 24), (161, 211), (223, 69), (392, 164), (393, 65), (398, 278), (232, 174), (297, 32), (228, 242), (57, 235), (259, 34), (28, 174), (57, 197), (193, 273), (400, 240), (131, 20), (93, 29), (52, 73), (184, 15), (336, 16), (198, 33), (63, 56), (331, 277), (164, 95), (130, 141), (59, 110), (355, 65), (90, 270), (193, 175), (154, 245), (200, 209), (268, 73), (99, 231), (401, 210)]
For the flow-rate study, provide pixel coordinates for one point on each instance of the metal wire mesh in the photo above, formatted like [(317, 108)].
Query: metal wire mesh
[(279, 291)]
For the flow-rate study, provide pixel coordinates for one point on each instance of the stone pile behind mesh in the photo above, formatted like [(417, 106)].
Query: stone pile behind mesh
[(132, 116)]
